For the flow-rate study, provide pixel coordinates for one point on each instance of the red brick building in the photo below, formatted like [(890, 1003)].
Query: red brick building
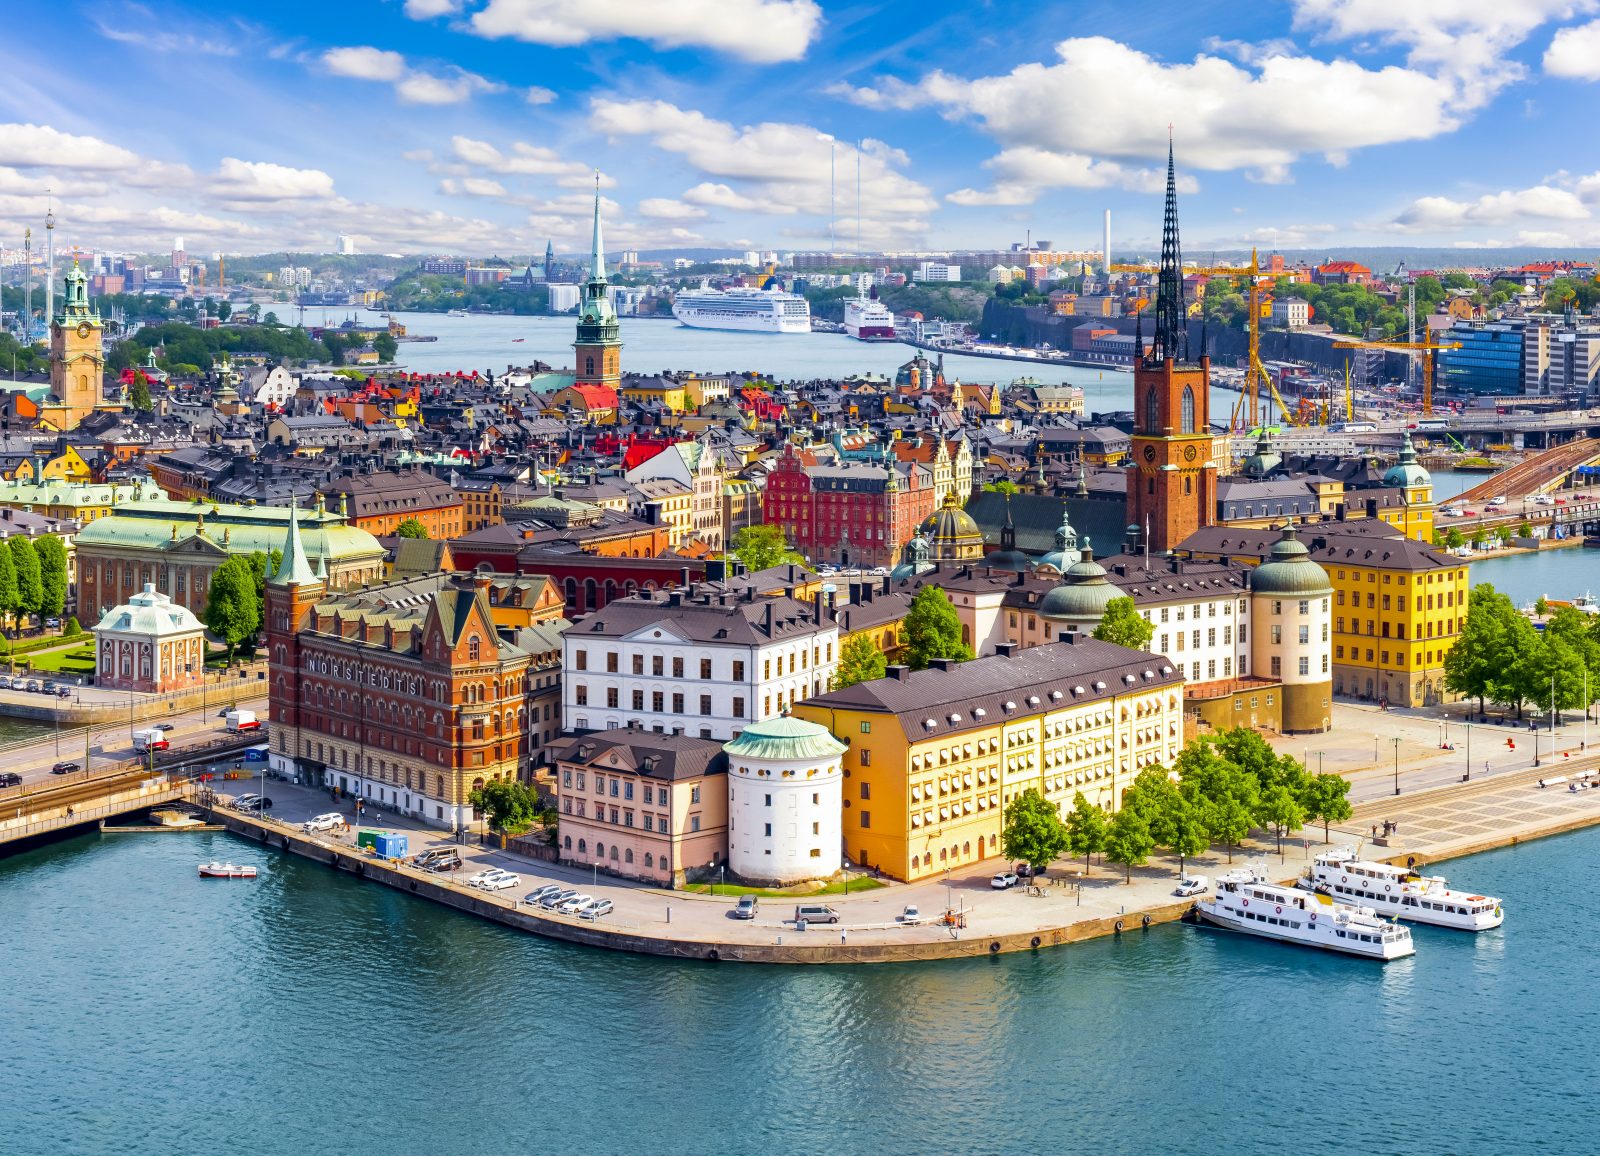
[(1341, 273), (853, 513)]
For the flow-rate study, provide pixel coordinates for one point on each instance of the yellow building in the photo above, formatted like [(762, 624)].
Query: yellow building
[(67, 466), (1398, 605), (936, 755), (80, 502), (1413, 517), (670, 395)]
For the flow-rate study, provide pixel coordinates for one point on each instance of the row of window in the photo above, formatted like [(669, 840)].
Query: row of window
[(1399, 628), (1429, 658), (1445, 600)]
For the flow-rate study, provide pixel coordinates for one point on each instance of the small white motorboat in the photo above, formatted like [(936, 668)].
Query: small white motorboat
[(226, 871)]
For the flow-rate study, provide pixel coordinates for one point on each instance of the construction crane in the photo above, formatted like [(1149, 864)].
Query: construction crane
[(1246, 412), (1429, 345)]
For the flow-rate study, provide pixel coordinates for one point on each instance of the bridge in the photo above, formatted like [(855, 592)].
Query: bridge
[(1535, 475)]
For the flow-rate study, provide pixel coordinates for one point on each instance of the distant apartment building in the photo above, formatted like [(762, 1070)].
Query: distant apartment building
[(1291, 312), (853, 513), (563, 298), (1341, 273), (481, 275), (937, 271), (1492, 361), (444, 266)]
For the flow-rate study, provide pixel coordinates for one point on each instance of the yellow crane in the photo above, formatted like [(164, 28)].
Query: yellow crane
[(1255, 374), (1429, 345)]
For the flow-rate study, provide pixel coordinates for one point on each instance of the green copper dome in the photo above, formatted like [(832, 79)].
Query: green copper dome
[(1290, 570), (784, 740), (1083, 594), (1407, 473)]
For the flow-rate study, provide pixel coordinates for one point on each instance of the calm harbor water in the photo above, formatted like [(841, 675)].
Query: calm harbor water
[(148, 1012)]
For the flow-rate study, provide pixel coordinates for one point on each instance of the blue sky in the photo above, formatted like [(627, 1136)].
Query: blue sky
[(475, 125)]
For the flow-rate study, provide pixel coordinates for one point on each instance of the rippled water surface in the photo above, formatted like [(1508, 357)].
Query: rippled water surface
[(145, 1011)]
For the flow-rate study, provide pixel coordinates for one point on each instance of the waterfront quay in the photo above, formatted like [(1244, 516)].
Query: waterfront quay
[(1434, 824)]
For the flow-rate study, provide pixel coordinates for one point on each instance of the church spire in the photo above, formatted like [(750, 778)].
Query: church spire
[(1172, 341), (293, 568), (597, 258)]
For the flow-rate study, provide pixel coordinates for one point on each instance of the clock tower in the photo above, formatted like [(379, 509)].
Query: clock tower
[(597, 351), (77, 366), (1172, 483)]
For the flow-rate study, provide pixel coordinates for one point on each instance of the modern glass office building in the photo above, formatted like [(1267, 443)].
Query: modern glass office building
[(1488, 362)]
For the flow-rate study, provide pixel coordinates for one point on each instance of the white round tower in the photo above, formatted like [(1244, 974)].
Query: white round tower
[(785, 802)]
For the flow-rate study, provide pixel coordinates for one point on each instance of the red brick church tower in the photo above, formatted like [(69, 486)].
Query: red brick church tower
[(291, 591), (1172, 483)]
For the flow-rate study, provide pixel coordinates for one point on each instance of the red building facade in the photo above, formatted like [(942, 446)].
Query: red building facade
[(852, 514)]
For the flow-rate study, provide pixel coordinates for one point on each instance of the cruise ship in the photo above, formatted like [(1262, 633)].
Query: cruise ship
[(866, 319), (749, 310), (1245, 901), (1400, 892)]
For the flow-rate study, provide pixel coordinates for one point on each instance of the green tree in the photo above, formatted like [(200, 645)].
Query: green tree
[(233, 611), (763, 547), (1282, 810), (386, 346), (1454, 539), (30, 579), (223, 310), (8, 585), (510, 806), (1128, 841), (1541, 606), (1004, 486), (1184, 830), (1124, 625), (1086, 829), (1522, 673), (271, 320), (933, 630), (261, 564), (1033, 832), (1326, 800), (860, 660), (1472, 664), (52, 557), (411, 528), (139, 395), (72, 628)]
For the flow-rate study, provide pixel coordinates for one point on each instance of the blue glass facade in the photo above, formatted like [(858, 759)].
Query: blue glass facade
[(1488, 362)]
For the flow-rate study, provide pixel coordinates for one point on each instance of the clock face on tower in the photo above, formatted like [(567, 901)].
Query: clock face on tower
[(84, 329), (1149, 453), (1188, 453)]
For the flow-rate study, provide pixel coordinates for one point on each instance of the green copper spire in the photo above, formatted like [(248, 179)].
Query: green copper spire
[(597, 318), (597, 258), (293, 568)]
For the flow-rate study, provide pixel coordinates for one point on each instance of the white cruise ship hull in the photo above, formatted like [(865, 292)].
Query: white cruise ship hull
[(751, 322)]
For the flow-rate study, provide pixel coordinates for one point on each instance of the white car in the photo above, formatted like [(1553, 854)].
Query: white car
[(1004, 881), (501, 881), (1495, 503), (1544, 500), (911, 916), (594, 909), (332, 821), (575, 904), (1192, 885), (486, 874)]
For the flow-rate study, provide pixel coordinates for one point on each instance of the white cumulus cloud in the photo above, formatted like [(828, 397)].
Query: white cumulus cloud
[(412, 85), (667, 209), (1574, 53), (40, 146), (237, 180), (364, 63), (761, 31)]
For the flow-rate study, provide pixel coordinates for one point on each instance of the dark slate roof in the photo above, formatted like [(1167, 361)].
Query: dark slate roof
[(1367, 542), (969, 695), (713, 617), (657, 756)]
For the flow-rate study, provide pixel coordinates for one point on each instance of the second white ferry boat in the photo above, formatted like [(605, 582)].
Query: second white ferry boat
[(1245, 901), (868, 319), (748, 310), (1400, 892)]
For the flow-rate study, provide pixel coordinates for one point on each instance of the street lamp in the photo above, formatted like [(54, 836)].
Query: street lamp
[(1397, 764), (1468, 776)]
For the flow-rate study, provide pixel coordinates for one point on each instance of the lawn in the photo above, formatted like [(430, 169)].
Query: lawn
[(857, 883), (77, 660)]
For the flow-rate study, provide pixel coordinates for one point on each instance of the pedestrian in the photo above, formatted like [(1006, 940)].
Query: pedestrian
[(841, 937), (1374, 830)]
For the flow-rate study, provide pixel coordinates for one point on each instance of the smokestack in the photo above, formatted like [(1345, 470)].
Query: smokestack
[(1108, 243)]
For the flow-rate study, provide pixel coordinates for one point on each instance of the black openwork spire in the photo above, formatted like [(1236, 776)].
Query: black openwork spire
[(1172, 338)]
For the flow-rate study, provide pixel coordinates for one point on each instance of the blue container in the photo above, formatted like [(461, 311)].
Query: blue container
[(391, 846)]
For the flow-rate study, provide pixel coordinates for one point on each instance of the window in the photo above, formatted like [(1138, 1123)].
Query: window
[(1188, 409), (627, 792), (638, 700), (768, 801), (611, 662), (677, 704), (1305, 664), (768, 827), (866, 818), (1305, 635), (738, 670), (866, 728), (738, 706), (1277, 606), (658, 700), (657, 665), (474, 649), (1152, 412), (694, 822), (694, 793), (677, 667), (705, 704), (581, 695), (1305, 606), (705, 668), (1277, 635), (866, 790), (581, 658), (1277, 667)]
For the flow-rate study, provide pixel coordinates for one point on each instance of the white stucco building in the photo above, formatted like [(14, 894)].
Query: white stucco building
[(785, 802), (149, 644)]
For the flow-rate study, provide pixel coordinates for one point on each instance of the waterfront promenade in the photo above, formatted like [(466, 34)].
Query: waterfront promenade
[(1435, 824)]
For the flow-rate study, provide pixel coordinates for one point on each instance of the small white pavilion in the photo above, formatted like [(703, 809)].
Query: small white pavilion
[(149, 644)]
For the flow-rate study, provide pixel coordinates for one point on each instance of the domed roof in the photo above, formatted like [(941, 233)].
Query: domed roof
[(1066, 552), (1291, 570), (916, 559), (150, 613), (1084, 591), (949, 524), (1407, 473), (784, 739), (1264, 460)]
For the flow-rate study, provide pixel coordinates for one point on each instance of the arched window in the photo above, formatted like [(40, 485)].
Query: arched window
[(627, 856), (649, 859), (613, 852), (600, 850), (1188, 409), (583, 847), (1188, 486), (588, 366), (1152, 412), (474, 649), (567, 843)]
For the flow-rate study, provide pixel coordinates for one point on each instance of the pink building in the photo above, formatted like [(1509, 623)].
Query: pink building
[(642, 804), (149, 644)]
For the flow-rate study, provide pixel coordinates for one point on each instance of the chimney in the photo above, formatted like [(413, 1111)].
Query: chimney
[(1005, 649), (898, 673), (683, 575), (1070, 637), (942, 664)]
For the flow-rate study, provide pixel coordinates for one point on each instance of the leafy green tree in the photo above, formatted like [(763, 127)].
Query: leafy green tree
[(411, 528), (271, 319), (30, 580), (1184, 829), (223, 310), (511, 806), (1004, 486), (1472, 664), (1541, 606), (933, 630), (1124, 625), (52, 557), (1033, 832), (1128, 841), (860, 660), (1326, 800), (1086, 829), (9, 604), (139, 395), (233, 612), (72, 628), (763, 547), (1453, 539), (1282, 810), (1522, 672), (386, 346)]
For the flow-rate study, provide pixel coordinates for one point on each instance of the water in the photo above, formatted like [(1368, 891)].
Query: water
[(148, 1012), (1564, 573), (20, 730)]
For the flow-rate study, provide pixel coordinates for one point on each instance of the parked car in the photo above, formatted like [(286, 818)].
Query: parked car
[(911, 916), (34, 686), (10, 779), (573, 905), (253, 804), (63, 691), (65, 768), (594, 909), (164, 727), (746, 908), (52, 623), (815, 913), (1192, 885), (534, 898), (552, 902), (332, 821), (1004, 881), (1024, 870), (486, 873), (447, 860), (503, 881)]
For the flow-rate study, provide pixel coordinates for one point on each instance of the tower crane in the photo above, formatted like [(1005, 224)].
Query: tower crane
[(1429, 345), (1249, 403)]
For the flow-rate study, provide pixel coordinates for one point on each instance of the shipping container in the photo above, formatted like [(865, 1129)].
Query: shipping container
[(391, 846), (367, 838)]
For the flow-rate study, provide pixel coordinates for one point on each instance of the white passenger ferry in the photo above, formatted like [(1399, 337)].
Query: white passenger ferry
[(749, 310), (1400, 892), (1245, 901)]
